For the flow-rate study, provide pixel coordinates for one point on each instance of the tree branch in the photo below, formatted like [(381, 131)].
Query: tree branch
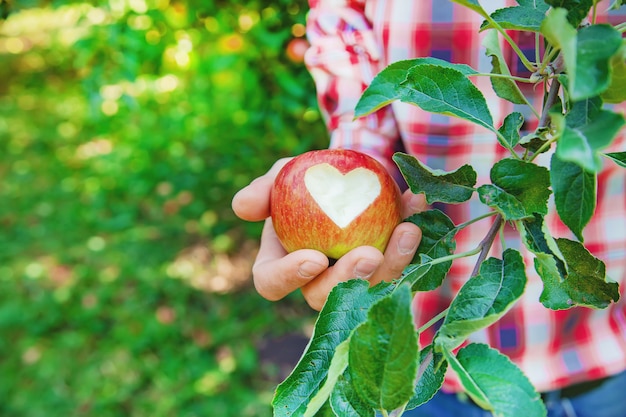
[(486, 243), (553, 94)]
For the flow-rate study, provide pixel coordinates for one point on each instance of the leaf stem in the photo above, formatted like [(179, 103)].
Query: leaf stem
[(537, 47), (508, 77), (594, 13), (476, 219), (542, 149), (454, 256), (485, 245), (433, 321), (470, 252), (512, 78), (529, 66), (503, 140), (549, 54)]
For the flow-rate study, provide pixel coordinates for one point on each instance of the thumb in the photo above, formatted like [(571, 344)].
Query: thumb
[(252, 203)]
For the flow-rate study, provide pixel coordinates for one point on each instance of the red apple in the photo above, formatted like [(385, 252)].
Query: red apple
[(334, 200)]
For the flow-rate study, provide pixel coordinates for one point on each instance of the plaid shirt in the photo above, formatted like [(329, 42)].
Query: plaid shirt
[(351, 41)]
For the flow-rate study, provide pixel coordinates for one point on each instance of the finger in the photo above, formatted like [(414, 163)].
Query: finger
[(276, 273), (413, 203), (399, 252), (361, 262), (252, 203)]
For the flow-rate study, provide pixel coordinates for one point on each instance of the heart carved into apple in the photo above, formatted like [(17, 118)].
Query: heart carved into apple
[(334, 200)]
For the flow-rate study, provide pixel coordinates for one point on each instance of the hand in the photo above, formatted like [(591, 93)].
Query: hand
[(277, 273)]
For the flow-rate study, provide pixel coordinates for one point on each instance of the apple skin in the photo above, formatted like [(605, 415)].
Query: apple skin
[(301, 223)]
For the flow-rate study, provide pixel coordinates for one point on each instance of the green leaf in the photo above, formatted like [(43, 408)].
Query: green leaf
[(616, 91), (510, 130), (534, 141), (446, 91), (386, 86), (447, 187), (527, 16), (559, 32), (574, 194), (540, 5), (584, 285), (596, 46), (528, 182), (585, 131), (506, 204), (483, 299), (505, 88), (384, 353), (338, 365), (587, 53), (571, 275), (537, 238), (495, 383), (618, 157), (437, 241), (344, 310), (577, 10), (581, 112), (433, 369), (346, 402), (519, 189), (562, 35)]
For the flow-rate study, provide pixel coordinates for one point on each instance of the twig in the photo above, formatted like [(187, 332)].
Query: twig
[(550, 100), (486, 243)]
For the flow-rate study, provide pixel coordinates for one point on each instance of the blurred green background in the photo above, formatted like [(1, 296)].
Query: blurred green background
[(126, 126)]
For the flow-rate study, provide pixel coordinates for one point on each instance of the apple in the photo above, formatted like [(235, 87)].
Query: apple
[(334, 200)]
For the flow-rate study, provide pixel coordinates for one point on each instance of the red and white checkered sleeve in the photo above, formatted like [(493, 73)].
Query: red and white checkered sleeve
[(343, 59)]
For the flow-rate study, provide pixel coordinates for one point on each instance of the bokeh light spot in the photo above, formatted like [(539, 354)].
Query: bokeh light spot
[(14, 45), (96, 243), (211, 24), (96, 16), (298, 30), (34, 270), (167, 83), (138, 6), (109, 107)]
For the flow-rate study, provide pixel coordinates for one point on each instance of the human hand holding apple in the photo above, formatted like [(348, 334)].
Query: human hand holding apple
[(334, 200), (277, 272)]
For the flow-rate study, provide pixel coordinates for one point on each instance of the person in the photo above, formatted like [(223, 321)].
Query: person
[(576, 358)]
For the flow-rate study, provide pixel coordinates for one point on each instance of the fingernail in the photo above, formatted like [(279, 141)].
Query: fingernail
[(365, 268), (408, 243), (310, 269)]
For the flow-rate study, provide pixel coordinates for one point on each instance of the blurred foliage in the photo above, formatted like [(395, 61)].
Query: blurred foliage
[(126, 126)]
